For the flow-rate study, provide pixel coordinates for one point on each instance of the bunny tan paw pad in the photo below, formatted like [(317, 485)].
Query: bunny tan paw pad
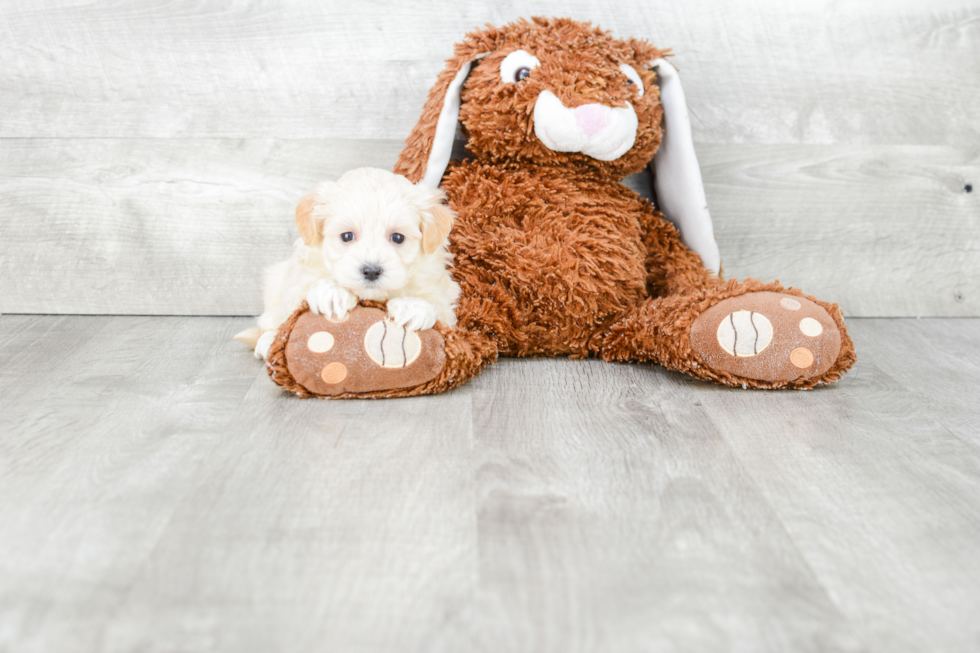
[(366, 352), (767, 336)]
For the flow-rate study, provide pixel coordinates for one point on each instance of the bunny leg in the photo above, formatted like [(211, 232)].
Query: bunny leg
[(746, 334), (368, 356)]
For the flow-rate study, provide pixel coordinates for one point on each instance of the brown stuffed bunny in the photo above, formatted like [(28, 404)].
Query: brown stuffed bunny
[(556, 257)]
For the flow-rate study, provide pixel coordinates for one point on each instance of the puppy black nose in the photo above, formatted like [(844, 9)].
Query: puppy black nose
[(372, 272)]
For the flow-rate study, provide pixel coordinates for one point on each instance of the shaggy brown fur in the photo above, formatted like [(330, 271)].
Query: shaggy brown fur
[(553, 254)]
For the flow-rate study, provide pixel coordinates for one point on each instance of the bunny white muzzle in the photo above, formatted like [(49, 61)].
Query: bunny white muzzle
[(601, 132)]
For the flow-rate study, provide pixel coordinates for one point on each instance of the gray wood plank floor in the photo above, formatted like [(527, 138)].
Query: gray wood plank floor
[(159, 493)]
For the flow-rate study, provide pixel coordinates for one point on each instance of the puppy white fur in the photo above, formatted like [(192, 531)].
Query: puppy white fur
[(369, 235)]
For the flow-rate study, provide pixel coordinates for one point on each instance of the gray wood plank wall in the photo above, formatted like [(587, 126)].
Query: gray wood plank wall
[(150, 153)]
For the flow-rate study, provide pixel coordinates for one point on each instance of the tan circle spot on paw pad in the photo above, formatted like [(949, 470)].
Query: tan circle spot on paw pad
[(790, 304), (334, 373), (391, 345), (744, 333), (801, 357), (320, 342), (810, 327)]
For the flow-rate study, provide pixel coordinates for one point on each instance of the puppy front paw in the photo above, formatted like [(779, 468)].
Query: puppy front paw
[(330, 300), (413, 313), (262, 346)]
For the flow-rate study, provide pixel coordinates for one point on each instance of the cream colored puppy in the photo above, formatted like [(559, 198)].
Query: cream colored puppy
[(369, 235)]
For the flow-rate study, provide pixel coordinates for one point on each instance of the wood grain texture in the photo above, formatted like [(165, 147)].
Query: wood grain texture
[(772, 72), (158, 492), (884, 231), (155, 226), (165, 495), (951, 368), (172, 226), (612, 517), (877, 481), (152, 152)]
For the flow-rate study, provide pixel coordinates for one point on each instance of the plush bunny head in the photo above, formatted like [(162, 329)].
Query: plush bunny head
[(545, 91), (560, 93)]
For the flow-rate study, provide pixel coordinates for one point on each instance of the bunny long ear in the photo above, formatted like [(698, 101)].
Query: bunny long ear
[(430, 144), (677, 176)]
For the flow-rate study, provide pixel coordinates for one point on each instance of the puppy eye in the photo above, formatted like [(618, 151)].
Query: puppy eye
[(398, 239), (517, 66), (347, 236), (632, 78)]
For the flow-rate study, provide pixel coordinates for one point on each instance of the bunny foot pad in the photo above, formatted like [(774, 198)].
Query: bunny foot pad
[(767, 336), (365, 352)]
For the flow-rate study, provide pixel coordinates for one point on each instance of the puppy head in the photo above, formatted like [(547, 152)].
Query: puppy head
[(372, 228)]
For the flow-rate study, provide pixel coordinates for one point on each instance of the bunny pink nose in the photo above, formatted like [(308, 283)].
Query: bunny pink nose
[(592, 117)]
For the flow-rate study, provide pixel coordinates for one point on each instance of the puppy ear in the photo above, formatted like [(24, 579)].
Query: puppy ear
[(304, 219), (437, 222), (677, 176), (430, 145)]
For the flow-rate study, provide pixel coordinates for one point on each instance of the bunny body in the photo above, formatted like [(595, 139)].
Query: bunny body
[(555, 256), (563, 271)]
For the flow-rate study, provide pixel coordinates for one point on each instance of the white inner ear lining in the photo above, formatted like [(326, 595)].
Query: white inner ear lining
[(442, 143), (677, 176)]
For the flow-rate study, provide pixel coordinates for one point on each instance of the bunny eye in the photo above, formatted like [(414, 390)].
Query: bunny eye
[(632, 78), (517, 66)]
